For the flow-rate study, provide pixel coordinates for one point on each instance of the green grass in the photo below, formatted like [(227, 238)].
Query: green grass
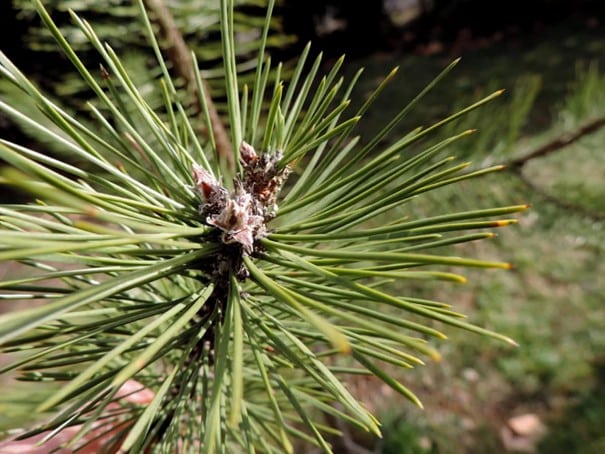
[(580, 430)]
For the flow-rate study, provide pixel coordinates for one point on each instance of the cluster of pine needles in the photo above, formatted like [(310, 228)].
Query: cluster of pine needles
[(243, 295)]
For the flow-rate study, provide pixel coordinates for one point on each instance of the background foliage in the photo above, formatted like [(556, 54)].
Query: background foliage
[(553, 301)]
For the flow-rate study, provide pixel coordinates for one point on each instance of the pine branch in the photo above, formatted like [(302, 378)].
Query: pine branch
[(240, 318), (180, 56)]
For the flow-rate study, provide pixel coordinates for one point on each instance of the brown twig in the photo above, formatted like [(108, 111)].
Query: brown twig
[(516, 165), (559, 143), (557, 201), (179, 55)]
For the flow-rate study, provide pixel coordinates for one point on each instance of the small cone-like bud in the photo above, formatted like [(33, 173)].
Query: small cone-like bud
[(247, 153), (205, 183), (241, 214)]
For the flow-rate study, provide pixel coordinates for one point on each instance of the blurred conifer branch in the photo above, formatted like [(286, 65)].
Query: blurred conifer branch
[(182, 61)]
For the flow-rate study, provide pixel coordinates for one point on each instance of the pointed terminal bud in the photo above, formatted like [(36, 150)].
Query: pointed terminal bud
[(205, 183), (247, 153), (104, 73), (239, 222)]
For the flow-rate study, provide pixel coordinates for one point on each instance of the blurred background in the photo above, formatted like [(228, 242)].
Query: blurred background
[(548, 395)]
